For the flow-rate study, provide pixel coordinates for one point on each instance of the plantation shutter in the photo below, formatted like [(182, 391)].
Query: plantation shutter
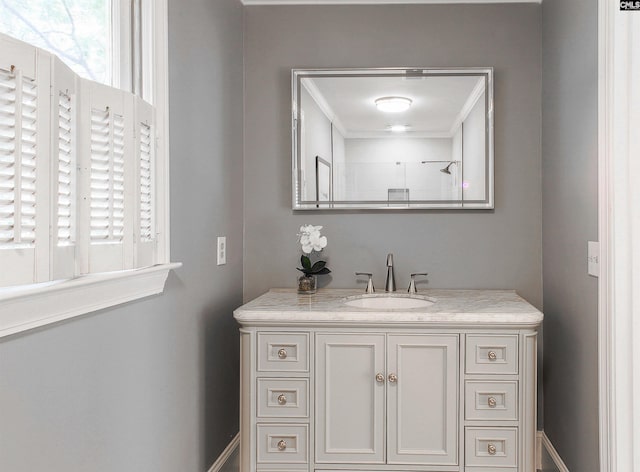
[(145, 234), (78, 172), (64, 221), (23, 165), (108, 166)]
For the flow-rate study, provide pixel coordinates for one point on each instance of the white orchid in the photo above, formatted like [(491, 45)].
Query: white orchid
[(311, 239)]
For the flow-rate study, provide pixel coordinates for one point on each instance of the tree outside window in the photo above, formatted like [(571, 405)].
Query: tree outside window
[(77, 31)]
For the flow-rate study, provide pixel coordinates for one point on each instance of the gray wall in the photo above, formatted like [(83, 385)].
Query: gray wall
[(152, 386), (570, 198), (485, 249)]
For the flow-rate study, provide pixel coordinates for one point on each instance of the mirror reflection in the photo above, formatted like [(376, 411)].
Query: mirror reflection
[(392, 138)]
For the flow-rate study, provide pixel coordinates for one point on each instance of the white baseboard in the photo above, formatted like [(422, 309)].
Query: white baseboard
[(542, 441), (224, 457), (539, 450)]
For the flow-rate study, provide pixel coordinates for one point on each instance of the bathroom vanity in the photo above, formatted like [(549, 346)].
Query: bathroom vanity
[(339, 381)]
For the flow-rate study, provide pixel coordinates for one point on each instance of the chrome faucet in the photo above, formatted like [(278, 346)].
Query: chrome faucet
[(390, 283), (370, 288), (412, 285)]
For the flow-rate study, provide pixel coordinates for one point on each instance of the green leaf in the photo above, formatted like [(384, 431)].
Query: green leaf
[(323, 271), (318, 265), (305, 261)]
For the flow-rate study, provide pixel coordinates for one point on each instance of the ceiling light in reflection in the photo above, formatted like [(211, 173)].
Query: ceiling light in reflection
[(393, 104), (398, 128)]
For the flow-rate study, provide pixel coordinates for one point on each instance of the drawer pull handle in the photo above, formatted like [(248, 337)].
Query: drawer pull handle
[(491, 449), (393, 378), (492, 402), (282, 445), (282, 353), (282, 399), (492, 355), (379, 378)]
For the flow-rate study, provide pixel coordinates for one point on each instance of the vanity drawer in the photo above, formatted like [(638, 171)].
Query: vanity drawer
[(282, 444), (283, 352), (283, 398), (496, 400), (491, 354), (491, 447)]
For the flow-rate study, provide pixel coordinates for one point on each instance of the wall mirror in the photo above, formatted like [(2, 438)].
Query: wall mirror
[(394, 138)]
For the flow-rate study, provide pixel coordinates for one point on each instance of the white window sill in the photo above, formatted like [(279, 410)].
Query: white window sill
[(27, 307)]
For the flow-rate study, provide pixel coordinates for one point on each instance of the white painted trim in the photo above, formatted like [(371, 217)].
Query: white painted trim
[(376, 2), (476, 93), (224, 457), (619, 234), (160, 93), (544, 442), (604, 342), (311, 87), (27, 307), (539, 449), (121, 73)]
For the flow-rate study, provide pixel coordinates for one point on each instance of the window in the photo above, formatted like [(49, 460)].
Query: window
[(83, 165)]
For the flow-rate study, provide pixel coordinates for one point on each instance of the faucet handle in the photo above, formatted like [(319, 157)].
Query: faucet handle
[(412, 284), (369, 288)]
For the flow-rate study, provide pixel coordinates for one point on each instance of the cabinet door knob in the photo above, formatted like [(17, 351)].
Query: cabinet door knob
[(379, 377), (491, 401), (282, 353), (492, 355), (491, 449), (393, 378), (282, 399), (282, 445)]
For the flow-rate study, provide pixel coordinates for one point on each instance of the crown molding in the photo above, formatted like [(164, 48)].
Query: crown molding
[(311, 87), (476, 93), (377, 2)]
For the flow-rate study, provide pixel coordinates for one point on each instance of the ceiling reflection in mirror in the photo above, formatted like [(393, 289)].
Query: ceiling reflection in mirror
[(392, 139)]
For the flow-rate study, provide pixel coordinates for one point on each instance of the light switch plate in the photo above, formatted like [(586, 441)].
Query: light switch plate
[(593, 258), (222, 250)]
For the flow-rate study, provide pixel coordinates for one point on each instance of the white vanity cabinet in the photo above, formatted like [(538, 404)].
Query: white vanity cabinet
[(350, 404), (331, 389), (377, 389)]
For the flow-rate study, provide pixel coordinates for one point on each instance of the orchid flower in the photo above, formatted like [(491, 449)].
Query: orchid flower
[(311, 240)]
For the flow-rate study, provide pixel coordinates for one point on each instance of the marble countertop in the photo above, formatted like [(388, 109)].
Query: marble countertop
[(451, 308)]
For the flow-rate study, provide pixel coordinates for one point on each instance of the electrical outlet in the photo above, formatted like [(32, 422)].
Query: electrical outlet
[(593, 258), (222, 250)]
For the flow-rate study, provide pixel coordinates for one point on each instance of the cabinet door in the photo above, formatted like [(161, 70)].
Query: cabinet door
[(423, 402), (349, 401)]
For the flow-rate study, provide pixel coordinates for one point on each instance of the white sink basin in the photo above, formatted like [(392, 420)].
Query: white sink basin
[(389, 302)]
